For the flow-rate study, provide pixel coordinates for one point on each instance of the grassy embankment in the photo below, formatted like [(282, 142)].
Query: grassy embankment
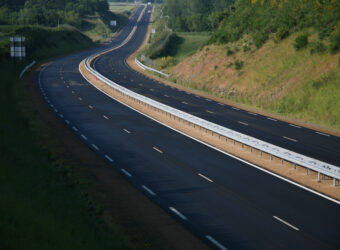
[(276, 78), (41, 206), (96, 26), (165, 48)]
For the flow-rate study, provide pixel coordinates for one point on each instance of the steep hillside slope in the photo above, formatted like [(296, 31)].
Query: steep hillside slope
[(277, 78)]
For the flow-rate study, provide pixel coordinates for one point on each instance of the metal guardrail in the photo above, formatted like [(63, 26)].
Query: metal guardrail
[(284, 154), (149, 68), (26, 68)]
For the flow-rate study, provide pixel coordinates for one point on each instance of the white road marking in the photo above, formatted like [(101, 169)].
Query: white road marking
[(204, 177), (84, 137), (140, 84), (73, 92), (185, 103), (126, 172), (178, 213), (79, 98), (166, 96), (289, 138), (223, 152), (251, 113), (187, 93), (109, 158), (52, 106), (215, 242), (148, 190), (295, 126), (271, 119), (221, 104), (95, 146), (90, 106), (286, 223), (74, 128), (56, 110), (107, 118), (197, 96), (61, 116), (127, 131), (210, 112), (67, 86), (235, 108), (208, 100), (243, 123), (159, 151), (152, 90), (322, 134), (67, 121)]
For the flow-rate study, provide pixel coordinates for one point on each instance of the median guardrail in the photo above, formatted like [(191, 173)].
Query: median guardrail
[(245, 140), (149, 68)]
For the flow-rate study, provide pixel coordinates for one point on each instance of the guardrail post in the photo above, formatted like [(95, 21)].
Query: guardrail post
[(282, 161), (294, 166), (251, 149), (318, 176), (307, 171), (261, 153), (271, 157)]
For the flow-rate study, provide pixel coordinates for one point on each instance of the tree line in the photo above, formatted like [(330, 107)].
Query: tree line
[(195, 15), (48, 12)]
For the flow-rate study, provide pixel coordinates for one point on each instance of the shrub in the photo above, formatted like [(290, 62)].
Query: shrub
[(281, 34), (246, 48), (239, 65), (216, 67), (259, 38), (301, 41), (334, 45), (317, 47), (231, 64), (229, 52)]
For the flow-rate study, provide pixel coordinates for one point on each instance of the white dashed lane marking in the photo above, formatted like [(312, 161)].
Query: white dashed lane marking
[(127, 131), (210, 112), (174, 210), (274, 120), (109, 158), (148, 190), (105, 117), (84, 137), (215, 242), (95, 146), (243, 123), (126, 172), (322, 134), (158, 150), (289, 138), (251, 113), (204, 177), (295, 126), (235, 108), (286, 223)]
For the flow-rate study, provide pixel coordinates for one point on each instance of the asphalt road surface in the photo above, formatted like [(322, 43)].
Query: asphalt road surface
[(227, 203)]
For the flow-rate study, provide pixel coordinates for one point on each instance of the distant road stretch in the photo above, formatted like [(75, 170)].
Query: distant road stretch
[(225, 202)]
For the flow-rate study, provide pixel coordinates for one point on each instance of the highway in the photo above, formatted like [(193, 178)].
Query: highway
[(227, 203)]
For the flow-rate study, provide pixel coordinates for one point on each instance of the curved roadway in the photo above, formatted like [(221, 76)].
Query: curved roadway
[(225, 202)]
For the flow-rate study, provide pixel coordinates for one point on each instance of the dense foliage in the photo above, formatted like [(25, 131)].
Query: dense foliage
[(195, 15), (48, 12), (261, 18)]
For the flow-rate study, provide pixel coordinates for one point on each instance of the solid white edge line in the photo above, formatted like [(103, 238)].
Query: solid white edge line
[(148, 190), (235, 108), (215, 242), (206, 178), (295, 126), (95, 146), (174, 210), (158, 150), (251, 113), (285, 222), (230, 155), (109, 158), (322, 134), (126, 172)]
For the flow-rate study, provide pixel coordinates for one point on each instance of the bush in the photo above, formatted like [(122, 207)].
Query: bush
[(231, 64), (229, 52), (259, 38), (334, 45), (317, 47), (301, 41), (239, 65), (281, 34), (246, 48)]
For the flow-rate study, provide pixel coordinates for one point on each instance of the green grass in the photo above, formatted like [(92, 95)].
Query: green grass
[(95, 28), (192, 41), (121, 8), (41, 203)]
